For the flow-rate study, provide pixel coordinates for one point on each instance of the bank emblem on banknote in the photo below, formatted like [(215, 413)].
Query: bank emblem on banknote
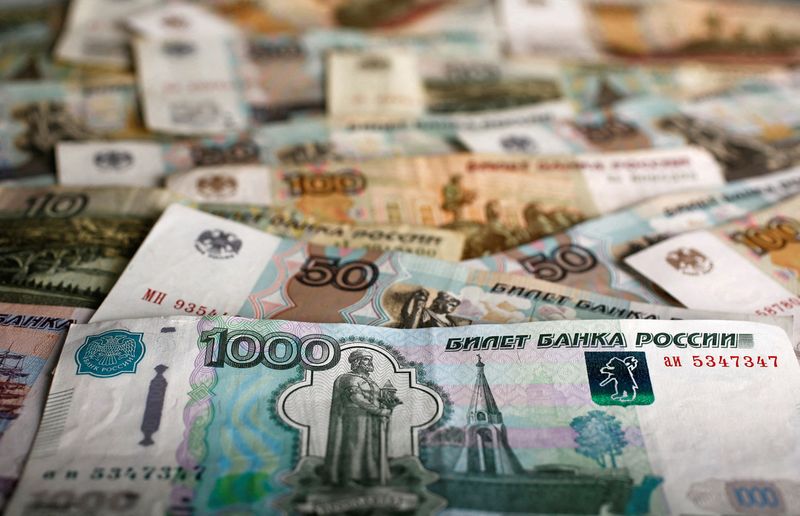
[(218, 244), (690, 261), (110, 354), (178, 48), (619, 378), (518, 143), (113, 160), (217, 186)]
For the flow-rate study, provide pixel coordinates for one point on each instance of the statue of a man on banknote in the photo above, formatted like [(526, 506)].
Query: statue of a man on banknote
[(456, 197), (415, 313), (353, 453)]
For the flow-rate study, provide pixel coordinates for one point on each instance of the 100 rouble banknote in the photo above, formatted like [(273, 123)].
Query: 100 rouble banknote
[(589, 417), (748, 265), (497, 202)]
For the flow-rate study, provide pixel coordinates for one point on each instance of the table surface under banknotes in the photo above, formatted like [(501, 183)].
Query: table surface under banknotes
[(399, 257)]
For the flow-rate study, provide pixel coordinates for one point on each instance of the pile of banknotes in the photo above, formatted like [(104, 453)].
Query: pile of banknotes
[(399, 257)]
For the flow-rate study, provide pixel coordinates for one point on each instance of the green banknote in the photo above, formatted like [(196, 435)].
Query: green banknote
[(66, 246), (225, 414)]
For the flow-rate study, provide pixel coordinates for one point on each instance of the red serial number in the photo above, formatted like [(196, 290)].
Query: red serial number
[(194, 308), (735, 361), (780, 307)]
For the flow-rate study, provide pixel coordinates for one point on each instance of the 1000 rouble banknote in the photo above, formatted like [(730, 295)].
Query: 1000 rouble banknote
[(183, 414)]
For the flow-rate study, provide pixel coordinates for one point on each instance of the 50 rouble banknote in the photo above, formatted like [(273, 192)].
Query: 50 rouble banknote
[(558, 417), (249, 273), (590, 254)]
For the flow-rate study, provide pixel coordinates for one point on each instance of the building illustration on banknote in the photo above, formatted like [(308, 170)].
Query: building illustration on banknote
[(378, 443)]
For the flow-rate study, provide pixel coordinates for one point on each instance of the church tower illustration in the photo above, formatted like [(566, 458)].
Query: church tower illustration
[(486, 449)]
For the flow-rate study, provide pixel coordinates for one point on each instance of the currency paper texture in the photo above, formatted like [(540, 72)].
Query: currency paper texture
[(253, 274), (35, 116), (65, 246), (749, 127), (497, 202), (30, 343), (297, 142), (748, 265), (211, 414), (589, 255)]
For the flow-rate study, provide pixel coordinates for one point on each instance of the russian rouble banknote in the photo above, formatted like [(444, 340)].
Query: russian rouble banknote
[(748, 265), (589, 417), (296, 142), (749, 127), (36, 115), (249, 273), (590, 254), (30, 344), (497, 202), (67, 245)]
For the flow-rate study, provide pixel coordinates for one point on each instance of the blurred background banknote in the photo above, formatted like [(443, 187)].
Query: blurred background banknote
[(257, 275)]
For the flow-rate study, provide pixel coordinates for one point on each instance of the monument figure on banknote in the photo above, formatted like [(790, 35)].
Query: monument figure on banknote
[(355, 452), (45, 124), (456, 197), (741, 155), (415, 314)]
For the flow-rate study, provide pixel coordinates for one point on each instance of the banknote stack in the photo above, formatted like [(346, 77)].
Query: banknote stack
[(399, 257)]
